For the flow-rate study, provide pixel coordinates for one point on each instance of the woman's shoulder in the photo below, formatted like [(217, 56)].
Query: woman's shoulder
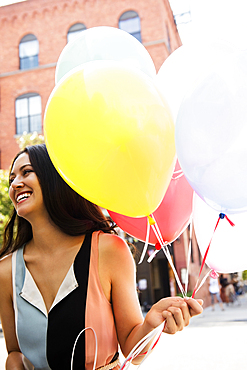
[(5, 264), (112, 242), (114, 248), (6, 270)]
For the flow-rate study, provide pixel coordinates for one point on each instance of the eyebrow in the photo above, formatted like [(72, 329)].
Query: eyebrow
[(21, 168)]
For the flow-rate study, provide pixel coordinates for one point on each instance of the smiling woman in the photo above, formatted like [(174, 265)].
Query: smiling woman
[(23, 185), (59, 267)]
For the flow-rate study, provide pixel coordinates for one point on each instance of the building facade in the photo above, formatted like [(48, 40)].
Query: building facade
[(32, 35)]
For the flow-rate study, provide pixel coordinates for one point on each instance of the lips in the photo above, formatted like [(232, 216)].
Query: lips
[(23, 196)]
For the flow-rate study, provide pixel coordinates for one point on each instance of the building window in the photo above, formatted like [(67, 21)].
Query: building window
[(28, 113), (130, 22), (75, 30), (29, 52)]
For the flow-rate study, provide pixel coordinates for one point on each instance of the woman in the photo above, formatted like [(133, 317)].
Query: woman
[(214, 290), (64, 270)]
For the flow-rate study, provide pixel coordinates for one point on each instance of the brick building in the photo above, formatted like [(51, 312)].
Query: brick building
[(32, 35)]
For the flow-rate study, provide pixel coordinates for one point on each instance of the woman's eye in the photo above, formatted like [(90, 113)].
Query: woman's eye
[(11, 180), (25, 172)]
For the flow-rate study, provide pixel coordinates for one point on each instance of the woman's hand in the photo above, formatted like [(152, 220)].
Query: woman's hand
[(175, 312)]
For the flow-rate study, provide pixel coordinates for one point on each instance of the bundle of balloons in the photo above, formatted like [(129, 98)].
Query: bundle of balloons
[(140, 144), (209, 108)]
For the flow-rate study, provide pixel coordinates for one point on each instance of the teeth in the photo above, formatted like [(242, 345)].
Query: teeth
[(22, 196)]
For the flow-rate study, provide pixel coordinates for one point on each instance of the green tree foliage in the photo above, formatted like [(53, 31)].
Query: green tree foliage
[(244, 275), (32, 138), (5, 202)]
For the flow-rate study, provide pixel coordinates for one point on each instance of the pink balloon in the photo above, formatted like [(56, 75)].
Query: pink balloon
[(172, 216)]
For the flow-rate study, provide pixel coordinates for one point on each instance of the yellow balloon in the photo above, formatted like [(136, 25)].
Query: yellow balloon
[(111, 137)]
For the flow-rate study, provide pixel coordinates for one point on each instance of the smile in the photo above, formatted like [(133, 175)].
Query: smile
[(22, 197)]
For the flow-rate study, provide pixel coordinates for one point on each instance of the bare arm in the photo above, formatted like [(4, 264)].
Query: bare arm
[(14, 359), (119, 266)]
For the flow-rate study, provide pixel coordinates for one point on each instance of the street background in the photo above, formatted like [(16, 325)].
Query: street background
[(214, 340)]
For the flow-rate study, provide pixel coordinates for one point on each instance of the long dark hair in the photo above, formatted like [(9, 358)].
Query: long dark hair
[(72, 213)]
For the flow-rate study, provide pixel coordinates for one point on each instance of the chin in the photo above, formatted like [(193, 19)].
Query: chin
[(22, 213)]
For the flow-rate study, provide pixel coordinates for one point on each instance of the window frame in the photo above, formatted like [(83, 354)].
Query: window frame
[(127, 16), (74, 29), (29, 117), (30, 61)]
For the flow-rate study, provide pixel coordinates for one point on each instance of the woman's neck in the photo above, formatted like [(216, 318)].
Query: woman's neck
[(47, 236)]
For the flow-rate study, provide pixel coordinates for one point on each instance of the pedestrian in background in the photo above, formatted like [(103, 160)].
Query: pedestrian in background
[(214, 290)]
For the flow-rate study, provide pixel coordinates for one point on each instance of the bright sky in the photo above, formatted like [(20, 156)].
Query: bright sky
[(212, 19), (206, 20), (7, 2)]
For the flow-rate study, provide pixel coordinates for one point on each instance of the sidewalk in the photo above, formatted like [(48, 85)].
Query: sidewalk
[(214, 339), (233, 313)]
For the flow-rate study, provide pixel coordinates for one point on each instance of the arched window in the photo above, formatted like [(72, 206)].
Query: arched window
[(29, 52), (75, 30), (130, 22), (28, 113)]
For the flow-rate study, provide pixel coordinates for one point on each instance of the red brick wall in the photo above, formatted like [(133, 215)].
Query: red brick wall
[(49, 21)]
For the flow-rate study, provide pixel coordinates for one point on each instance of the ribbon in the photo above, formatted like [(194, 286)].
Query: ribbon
[(188, 261), (150, 221), (177, 174), (154, 335), (166, 251), (96, 347), (221, 217)]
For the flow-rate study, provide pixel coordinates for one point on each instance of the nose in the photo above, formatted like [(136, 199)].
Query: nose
[(17, 183)]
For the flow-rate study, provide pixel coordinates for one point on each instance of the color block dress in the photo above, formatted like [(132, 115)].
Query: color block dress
[(47, 339)]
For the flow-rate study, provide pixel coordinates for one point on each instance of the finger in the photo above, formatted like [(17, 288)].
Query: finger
[(200, 301), (186, 313), (182, 305), (195, 306), (170, 326), (178, 317), (164, 303)]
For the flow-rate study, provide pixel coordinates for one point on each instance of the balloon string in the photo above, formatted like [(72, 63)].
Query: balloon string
[(96, 347), (166, 251), (160, 238), (179, 174), (154, 335), (150, 259), (188, 260), (221, 216), (146, 242), (168, 256), (230, 222), (203, 280)]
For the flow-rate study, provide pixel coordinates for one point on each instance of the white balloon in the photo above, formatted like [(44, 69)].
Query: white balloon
[(104, 43), (183, 68), (211, 132), (228, 249)]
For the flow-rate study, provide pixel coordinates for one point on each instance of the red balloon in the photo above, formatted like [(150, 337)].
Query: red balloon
[(172, 216)]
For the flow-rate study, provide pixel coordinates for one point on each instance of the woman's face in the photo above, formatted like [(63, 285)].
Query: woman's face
[(25, 191)]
